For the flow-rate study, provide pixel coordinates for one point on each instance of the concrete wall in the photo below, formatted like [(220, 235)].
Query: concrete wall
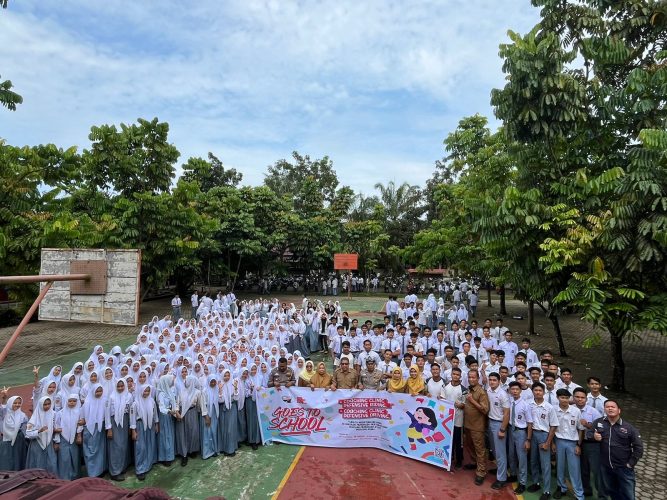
[(120, 304)]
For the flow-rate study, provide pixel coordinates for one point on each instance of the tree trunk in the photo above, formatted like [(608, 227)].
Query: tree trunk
[(531, 317), (488, 294), (503, 309), (236, 274), (559, 336), (617, 363)]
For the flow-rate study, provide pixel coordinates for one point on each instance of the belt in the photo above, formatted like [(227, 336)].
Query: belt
[(495, 420)]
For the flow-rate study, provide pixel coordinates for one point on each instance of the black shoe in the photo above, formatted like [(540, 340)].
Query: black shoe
[(533, 488), (232, 454), (545, 496), (511, 479), (119, 477), (470, 466), (184, 461), (492, 471), (167, 463), (479, 480), (588, 493), (254, 447), (498, 485), (141, 477), (519, 489), (458, 465), (558, 494)]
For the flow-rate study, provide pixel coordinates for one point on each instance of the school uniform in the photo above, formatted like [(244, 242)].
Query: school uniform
[(544, 417), (520, 416), (567, 440), (144, 419), (13, 446), (69, 452)]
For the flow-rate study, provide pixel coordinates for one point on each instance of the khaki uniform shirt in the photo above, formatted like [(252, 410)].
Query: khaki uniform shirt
[(474, 419), (347, 380), (371, 380), (278, 377)]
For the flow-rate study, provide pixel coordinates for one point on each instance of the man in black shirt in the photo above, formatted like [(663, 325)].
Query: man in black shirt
[(620, 449)]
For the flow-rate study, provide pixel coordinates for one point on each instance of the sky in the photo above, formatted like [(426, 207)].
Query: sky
[(375, 85)]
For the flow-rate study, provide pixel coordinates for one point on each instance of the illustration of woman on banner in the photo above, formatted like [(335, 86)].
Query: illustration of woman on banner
[(423, 422)]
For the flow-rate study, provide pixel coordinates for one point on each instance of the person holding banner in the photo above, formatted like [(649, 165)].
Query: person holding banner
[(343, 377), (321, 379), (371, 378), (415, 384), (396, 382)]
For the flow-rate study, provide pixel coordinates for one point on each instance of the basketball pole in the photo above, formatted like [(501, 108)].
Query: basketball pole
[(26, 319)]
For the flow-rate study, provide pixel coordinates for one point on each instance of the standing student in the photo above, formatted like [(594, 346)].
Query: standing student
[(13, 446), (569, 436), (67, 425), (499, 413), (590, 449), (621, 448), (595, 399), (168, 409), (144, 423), (186, 428), (520, 435), (94, 412), (40, 432), (176, 307), (228, 440), (455, 392), (474, 422), (210, 418), (118, 431), (253, 383), (545, 423)]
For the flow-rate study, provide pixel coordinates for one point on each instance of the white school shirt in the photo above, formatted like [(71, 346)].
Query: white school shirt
[(176, 302), (596, 402), (385, 367), (544, 416), (434, 388), (392, 345), (568, 423), (498, 401), (520, 413), (194, 300), (454, 393)]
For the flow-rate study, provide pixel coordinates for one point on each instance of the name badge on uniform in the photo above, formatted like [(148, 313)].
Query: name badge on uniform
[(572, 422), (543, 416), (495, 403), (623, 430), (519, 417)]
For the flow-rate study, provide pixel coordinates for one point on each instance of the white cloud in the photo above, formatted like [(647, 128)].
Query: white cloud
[(368, 83)]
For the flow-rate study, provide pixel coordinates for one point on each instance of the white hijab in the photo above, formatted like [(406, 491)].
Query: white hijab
[(41, 418), (121, 401), (187, 393), (11, 425), (93, 409), (69, 418), (145, 405)]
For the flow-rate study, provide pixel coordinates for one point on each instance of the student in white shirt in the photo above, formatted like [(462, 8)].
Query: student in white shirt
[(456, 393), (386, 366), (499, 331), (569, 437), (366, 353), (594, 398), (499, 415), (520, 428), (391, 344), (531, 356), (435, 383), (545, 423), (510, 348), (590, 448), (565, 381)]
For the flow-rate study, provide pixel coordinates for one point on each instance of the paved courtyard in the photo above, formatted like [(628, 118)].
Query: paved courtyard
[(44, 343)]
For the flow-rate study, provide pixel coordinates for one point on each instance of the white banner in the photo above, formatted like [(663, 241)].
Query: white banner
[(416, 427)]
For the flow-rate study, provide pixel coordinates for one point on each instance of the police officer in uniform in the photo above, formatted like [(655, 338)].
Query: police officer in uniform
[(282, 375)]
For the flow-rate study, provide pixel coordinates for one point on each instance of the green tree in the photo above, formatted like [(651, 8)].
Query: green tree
[(210, 174), (573, 129), (8, 98), (401, 211)]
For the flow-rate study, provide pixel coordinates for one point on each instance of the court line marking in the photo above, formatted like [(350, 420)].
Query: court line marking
[(288, 473)]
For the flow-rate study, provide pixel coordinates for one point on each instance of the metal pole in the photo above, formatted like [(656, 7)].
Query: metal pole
[(4, 280), (26, 320)]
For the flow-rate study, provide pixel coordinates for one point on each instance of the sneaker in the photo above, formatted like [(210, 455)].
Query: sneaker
[(497, 485), (519, 489), (533, 488), (479, 480)]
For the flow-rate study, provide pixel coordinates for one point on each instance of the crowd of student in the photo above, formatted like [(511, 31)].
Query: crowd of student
[(188, 387)]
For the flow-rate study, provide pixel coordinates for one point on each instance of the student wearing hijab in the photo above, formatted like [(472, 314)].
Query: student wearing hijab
[(94, 412), (321, 379), (210, 418), (242, 426), (415, 383), (67, 425), (168, 409), (396, 382), (41, 451), (252, 422), (228, 440), (186, 428), (306, 374), (13, 446), (118, 432), (144, 425)]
